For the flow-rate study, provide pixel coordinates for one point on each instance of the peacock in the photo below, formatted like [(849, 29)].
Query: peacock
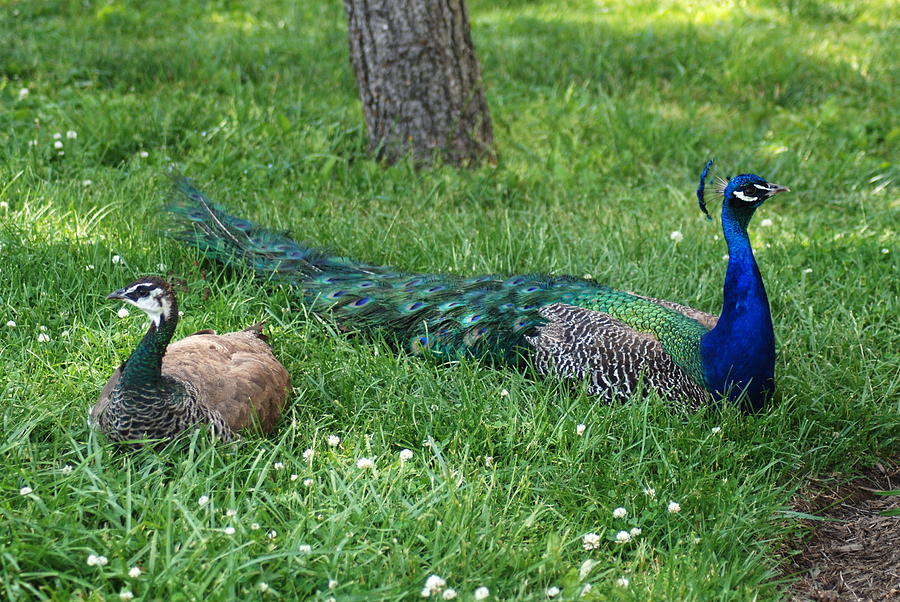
[(231, 381), (572, 327)]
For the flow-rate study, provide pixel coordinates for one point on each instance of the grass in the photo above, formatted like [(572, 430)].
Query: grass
[(604, 112)]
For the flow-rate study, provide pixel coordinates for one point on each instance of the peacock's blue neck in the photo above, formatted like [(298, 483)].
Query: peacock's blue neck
[(739, 353), (143, 369)]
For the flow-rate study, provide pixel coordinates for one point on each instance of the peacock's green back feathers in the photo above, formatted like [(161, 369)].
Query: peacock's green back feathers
[(451, 317)]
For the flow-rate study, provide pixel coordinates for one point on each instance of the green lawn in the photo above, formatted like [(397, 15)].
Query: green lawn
[(603, 112)]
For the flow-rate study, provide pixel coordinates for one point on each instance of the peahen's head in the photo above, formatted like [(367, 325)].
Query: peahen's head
[(154, 296), (741, 194)]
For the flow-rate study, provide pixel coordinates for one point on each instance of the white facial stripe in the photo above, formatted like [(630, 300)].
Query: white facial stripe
[(744, 197), (766, 188)]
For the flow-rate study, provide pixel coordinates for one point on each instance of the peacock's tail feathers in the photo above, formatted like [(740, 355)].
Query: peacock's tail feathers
[(486, 316)]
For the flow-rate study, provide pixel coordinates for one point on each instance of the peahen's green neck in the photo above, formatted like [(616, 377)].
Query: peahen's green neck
[(143, 366)]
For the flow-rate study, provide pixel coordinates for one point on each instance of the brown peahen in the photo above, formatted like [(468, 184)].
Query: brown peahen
[(230, 381)]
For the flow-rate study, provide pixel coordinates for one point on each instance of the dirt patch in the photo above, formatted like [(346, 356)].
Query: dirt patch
[(855, 554)]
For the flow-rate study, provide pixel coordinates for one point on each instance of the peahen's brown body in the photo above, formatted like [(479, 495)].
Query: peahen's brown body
[(231, 381)]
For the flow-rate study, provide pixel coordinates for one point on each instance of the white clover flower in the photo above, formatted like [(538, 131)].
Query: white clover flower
[(228, 530), (11, 323), (126, 595), (95, 560), (25, 490), (134, 572), (305, 548), (807, 271), (726, 256), (294, 477), (716, 430), (23, 93), (676, 236), (161, 267), (674, 507), (579, 430), (272, 534), (365, 463), (766, 223), (86, 183), (57, 136), (231, 513), (623, 537), (449, 594), (552, 591), (66, 469), (123, 313), (278, 466), (4, 205), (405, 454), (332, 583), (650, 492), (587, 277), (308, 482), (426, 593), (434, 584), (333, 441), (635, 531), (116, 259), (504, 393), (263, 586), (696, 540), (254, 526), (489, 461), (482, 593), (33, 142), (61, 153), (43, 338), (71, 134), (590, 541), (623, 582), (143, 154), (885, 251), (58, 144), (90, 267), (42, 328), (308, 454), (203, 500), (620, 512)]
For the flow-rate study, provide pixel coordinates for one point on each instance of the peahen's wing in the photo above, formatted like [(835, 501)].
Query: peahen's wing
[(613, 357), (235, 374)]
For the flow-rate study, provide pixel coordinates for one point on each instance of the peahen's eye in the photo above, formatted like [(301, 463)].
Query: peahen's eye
[(143, 293)]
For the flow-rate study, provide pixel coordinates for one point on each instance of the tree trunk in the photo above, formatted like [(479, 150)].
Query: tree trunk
[(419, 80)]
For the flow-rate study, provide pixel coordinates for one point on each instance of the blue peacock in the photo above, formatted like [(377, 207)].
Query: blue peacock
[(562, 325)]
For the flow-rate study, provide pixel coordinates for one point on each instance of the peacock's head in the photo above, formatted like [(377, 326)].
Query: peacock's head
[(154, 296), (741, 194), (748, 191)]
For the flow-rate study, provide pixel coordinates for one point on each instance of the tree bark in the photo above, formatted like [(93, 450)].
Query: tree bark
[(419, 80)]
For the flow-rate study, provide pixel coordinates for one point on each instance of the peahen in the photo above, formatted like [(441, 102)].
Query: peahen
[(564, 325), (230, 381)]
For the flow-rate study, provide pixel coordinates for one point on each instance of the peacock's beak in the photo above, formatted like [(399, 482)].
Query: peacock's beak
[(776, 188), (119, 294)]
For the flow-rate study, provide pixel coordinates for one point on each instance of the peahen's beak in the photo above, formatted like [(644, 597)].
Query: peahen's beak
[(119, 294)]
